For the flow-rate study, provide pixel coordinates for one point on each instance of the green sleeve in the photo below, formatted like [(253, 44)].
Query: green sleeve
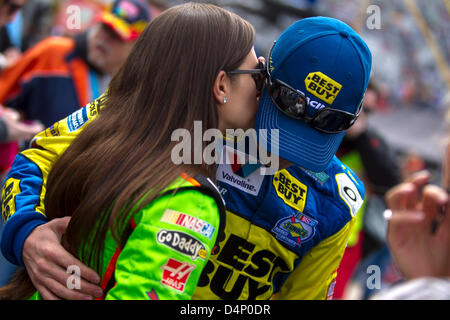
[(168, 249)]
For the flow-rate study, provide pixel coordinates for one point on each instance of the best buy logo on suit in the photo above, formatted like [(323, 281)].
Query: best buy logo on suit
[(322, 86), (288, 188)]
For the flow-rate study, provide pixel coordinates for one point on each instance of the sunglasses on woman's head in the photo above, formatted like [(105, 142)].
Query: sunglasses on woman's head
[(294, 104), (257, 74)]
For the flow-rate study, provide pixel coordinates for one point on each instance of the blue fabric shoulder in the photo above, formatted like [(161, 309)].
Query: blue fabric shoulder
[(26, 179)]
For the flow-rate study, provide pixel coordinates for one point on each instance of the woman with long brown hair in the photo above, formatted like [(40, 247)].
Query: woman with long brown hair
[(142, 222)]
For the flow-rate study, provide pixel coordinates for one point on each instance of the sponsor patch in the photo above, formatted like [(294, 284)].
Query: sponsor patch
[(186, 221), (322, 86), (288, 188), (320, 177), (295, 229), (234, 172), (176, 273), (183, 243), (10, 188), (349, 193), (77, 119)]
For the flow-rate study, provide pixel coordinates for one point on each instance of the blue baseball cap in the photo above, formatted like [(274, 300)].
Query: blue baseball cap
[(328, 61)]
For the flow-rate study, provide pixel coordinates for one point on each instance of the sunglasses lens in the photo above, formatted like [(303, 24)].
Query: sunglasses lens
[(289, 101), (332, 121)]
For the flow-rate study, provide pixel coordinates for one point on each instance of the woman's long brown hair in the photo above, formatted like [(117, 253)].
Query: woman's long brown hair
[(122, 160)]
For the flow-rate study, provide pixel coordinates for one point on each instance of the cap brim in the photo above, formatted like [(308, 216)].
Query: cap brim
[(297, 142), (123, 30)]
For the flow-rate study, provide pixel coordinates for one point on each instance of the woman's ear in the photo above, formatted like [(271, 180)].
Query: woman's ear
[(221, 88)]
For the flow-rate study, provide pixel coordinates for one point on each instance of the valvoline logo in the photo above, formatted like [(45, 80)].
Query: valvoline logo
[(242, 170), (322, 86)]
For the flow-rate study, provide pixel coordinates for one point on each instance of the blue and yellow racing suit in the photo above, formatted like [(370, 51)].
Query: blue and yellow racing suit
[(285, 234)]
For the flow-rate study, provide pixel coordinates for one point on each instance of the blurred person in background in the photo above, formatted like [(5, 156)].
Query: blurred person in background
[(419, 237), (59, 75), (375, 163), (409, 248), (8, 11), (12, 129)]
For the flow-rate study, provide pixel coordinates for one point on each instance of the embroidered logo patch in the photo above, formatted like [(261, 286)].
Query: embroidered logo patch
[(322, 86), (288, 188), (186, 221), (349, 193), (183, 243), (295, 229), (77, 119), (233, 171), (176, 273)]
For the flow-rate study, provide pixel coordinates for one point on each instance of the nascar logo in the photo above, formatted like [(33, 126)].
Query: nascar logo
[(188, 222)]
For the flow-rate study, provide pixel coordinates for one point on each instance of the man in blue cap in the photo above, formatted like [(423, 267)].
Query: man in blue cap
[(285, 233)]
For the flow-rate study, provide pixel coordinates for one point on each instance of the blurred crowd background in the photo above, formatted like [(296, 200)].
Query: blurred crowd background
[(411, 50), (411, 79)]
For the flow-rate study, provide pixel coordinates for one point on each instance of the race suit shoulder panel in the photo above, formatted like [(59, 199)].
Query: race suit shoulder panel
[(25, 185)]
